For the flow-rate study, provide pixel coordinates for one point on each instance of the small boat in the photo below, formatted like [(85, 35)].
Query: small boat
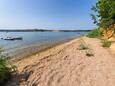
[(12, 38)]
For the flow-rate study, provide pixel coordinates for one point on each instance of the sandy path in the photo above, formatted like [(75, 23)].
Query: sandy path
[(66, 65)]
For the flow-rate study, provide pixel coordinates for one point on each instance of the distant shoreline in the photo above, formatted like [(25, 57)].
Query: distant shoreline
[(41, 30)]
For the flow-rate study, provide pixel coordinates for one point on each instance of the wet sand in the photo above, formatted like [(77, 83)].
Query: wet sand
[(18, 53), (66, 65)]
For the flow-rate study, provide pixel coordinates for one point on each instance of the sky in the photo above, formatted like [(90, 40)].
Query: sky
[(46, 14)]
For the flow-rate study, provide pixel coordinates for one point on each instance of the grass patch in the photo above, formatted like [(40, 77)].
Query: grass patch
[(5, 72), (106, 43), (96, 33), (5, 69), (83, 45)]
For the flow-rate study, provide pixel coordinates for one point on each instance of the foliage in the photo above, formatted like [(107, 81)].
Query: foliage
[(83, 45), (105, 13), (106, 43), (5, 69), (95, 33)]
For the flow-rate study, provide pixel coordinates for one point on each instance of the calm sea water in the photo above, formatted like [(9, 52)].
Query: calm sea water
[(32, 41), (35, 37)]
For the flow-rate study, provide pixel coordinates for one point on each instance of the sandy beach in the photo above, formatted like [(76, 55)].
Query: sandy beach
[(67, 65)]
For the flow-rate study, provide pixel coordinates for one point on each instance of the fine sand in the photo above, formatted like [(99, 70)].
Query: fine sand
[(66, 65)]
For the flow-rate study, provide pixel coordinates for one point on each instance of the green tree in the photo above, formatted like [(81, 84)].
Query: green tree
[(105, 13)]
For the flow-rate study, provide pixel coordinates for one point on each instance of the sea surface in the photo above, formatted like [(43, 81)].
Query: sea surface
[(34, 39)]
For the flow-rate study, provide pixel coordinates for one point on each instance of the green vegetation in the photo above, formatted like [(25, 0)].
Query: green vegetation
[(83, 45), (5, 69), (96, 33), (105, 15), (5, 72), (106, 43)]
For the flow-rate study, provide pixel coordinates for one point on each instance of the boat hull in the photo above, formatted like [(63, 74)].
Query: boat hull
[(15, 38)]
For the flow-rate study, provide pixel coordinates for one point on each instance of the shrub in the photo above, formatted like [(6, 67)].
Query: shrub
[(96, 33), (5, 69), (5, 72), (83, 45), (106, 43)]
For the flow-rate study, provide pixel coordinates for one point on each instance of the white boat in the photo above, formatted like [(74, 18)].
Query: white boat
[(12, 38)]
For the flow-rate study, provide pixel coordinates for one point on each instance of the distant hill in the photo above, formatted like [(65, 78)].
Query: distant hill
[(41, 30)]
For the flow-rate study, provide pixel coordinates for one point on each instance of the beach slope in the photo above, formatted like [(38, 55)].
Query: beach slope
[(67, 65)]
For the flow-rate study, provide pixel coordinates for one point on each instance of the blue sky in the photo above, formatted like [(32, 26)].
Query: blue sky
[(48, 14)]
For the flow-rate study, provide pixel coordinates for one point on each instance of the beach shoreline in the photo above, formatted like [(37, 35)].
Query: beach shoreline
[(68, 65), (17, 54)]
